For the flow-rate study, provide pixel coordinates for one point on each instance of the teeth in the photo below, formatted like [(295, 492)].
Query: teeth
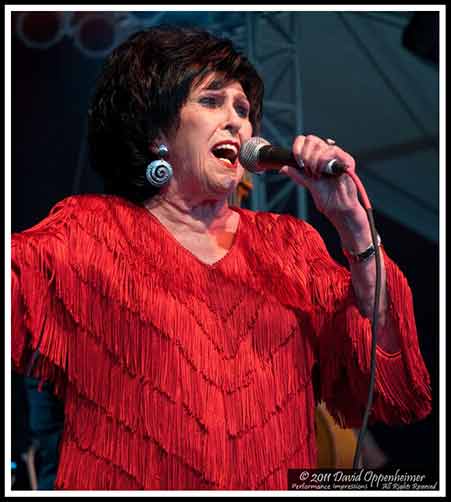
[(226, 146), (226, 160)]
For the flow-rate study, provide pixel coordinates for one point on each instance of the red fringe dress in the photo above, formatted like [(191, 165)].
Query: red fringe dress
[(177, 375)]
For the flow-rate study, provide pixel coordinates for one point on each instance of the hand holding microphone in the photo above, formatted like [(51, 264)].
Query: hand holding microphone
[(257, 155), (314, 163)]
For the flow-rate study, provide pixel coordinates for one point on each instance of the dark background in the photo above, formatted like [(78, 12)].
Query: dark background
[(50, 93)]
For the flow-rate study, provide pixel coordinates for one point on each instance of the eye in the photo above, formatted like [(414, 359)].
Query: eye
[(211, 101), (242, 110)]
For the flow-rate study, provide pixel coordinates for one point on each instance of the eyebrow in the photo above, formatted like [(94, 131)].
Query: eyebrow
[(218, 84)]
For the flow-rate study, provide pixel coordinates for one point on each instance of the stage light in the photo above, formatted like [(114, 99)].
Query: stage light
[(40, 30), (96, 34)]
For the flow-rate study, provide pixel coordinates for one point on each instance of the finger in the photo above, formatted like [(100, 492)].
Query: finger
[(321, 152), (312, 147), (297, 147), (347, 159), (296, 175), (335, 152)]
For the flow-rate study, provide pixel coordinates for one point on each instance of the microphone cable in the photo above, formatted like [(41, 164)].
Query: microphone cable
[(377, 293), (257, 150)]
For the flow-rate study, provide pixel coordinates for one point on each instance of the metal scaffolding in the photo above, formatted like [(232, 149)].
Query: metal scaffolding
[(272, 46), (374, 65)]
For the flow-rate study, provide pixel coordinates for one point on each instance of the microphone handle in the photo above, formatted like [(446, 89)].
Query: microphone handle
[(272, 157)]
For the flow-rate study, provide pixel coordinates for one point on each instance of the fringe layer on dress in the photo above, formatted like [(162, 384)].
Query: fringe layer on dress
[(180, 375)]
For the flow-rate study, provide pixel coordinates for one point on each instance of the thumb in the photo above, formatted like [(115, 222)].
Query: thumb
[(295, 175)]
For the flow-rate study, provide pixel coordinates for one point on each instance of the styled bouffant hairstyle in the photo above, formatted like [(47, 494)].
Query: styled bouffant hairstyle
[(140, 92)]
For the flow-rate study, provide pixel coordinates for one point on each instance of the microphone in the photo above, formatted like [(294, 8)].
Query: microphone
[(258, 155)]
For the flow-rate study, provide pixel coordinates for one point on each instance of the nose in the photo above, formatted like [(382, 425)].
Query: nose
[(233, 121)]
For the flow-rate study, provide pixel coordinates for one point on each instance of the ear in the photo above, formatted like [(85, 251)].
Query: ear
[(156, 143)]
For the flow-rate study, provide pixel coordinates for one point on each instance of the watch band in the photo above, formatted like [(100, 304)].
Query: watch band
[(364, 255)]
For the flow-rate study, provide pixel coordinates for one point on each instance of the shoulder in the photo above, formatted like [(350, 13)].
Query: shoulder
[(81, 206), (73, 219), (75, 207), (281, 224), (284, 235)]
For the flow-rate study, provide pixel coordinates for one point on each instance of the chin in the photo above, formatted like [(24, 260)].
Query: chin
[(221, 185), (228, 185)]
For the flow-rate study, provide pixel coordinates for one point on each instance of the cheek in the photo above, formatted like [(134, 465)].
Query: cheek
[(247, 132), (186, 146)]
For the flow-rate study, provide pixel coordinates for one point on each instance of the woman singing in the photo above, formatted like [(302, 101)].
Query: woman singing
[(189, 340)]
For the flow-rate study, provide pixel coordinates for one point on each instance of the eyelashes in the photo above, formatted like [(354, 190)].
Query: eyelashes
[(243, 111), (217, 101), (209, 101)]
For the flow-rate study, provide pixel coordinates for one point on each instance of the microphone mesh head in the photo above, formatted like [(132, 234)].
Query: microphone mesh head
[(249, 153)]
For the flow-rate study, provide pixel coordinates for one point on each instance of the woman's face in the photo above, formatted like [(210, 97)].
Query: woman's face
[(214, 123)]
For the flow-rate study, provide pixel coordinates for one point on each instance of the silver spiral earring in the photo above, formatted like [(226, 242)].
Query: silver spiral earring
[(159, 171)]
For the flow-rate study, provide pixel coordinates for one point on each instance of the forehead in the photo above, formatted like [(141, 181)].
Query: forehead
[(218, 82)]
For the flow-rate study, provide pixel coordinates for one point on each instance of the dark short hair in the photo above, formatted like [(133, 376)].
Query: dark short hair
[(139, 94)]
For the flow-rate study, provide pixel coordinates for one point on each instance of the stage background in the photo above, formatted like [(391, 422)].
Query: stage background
[(349, 76)]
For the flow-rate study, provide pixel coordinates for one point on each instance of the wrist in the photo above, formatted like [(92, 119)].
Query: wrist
[(353, 228), (354, 257)]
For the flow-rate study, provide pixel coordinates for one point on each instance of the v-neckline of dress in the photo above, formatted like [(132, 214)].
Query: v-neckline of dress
[(193, 256)]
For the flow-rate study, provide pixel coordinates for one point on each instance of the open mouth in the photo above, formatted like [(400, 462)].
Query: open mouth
[(227, 153)]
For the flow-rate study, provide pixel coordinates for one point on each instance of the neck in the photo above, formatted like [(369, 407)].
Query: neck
[(205, 216)]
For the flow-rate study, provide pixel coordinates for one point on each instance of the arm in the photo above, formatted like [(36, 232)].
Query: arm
[(343, 304), (338, 200), (402, 388), (39, 343), (355, 235)]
